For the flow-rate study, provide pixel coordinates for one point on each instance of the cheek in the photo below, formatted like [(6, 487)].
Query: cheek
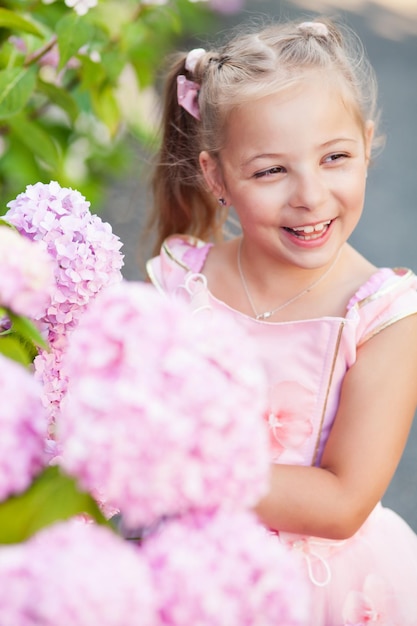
[(255, 219), (351, 188)]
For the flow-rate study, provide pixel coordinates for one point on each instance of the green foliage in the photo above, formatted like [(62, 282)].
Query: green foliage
[(51, 497), (75, 89), (21, 341)]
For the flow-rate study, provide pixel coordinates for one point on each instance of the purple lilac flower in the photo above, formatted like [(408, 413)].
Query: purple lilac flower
[(225, 569), (164, 410), (22, 428), (75, 574)]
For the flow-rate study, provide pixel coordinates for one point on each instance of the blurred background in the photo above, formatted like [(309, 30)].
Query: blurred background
[(79, 104)]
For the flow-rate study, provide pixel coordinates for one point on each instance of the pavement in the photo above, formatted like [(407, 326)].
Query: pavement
[(388, 229)]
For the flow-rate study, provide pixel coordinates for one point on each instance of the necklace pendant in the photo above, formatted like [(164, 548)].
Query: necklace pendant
[(264, 316)]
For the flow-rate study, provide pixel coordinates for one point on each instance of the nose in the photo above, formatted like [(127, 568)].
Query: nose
[(308, 189)]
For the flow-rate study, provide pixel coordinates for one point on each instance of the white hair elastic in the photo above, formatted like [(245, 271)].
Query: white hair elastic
[(192, 58), (316, 28)]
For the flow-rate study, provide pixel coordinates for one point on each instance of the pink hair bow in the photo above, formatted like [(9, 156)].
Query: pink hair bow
[(187, 95)]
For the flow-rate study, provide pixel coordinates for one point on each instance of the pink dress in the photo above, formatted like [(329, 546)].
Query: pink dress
[(370, 578)]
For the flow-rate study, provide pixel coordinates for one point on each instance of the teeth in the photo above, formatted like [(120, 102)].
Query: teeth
[(311, 229), (306, 229)]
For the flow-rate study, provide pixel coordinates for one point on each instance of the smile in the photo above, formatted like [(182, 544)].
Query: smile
[(309, 232)]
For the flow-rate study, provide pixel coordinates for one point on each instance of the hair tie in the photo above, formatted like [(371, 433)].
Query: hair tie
[(192, 58), (315, 28), (223, 59), (187, 90), (187, 96)]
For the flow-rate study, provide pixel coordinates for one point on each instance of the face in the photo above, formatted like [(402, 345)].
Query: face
[(294, 168)]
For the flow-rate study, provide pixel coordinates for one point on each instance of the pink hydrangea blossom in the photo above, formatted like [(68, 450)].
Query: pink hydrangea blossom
[(75, 574), (86, 252), (26, 275), (164, 409), (87, 258), (47, 370), (225, 569), (15, 587), (22, 428)]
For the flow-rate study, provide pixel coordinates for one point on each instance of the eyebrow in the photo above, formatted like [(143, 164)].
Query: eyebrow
[(267, 155), (333, 141), (279, 155)]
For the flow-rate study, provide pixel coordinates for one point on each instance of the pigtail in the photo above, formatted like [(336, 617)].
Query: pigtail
[(182, 203)]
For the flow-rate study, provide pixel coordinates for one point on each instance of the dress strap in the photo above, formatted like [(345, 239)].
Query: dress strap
[(179, 256), (387, 297)]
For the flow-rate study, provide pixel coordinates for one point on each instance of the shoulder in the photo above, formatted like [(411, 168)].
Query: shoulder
[(179, 255), (387, 297)]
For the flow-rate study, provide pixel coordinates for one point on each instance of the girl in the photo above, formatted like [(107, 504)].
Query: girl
[(280, 124)]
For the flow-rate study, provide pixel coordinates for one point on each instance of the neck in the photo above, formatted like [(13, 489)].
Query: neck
[(294, 293)]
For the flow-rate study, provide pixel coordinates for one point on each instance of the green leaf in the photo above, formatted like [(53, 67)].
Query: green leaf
[(16, 86), (113, 62), (106, 108), (12, 348), (36, 138), (22, 340), (61, 98), (14, 21), (92, 74), (73, 32), (51, 497), (25, 328), (7, 225)]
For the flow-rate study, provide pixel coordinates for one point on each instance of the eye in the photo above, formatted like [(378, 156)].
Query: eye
[(337, 156), (271, 171)]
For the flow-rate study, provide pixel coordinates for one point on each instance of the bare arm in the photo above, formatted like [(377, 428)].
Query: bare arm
[(377, 404)]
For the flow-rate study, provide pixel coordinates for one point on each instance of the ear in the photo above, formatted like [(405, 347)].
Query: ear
[(368, 137), (212, 174)]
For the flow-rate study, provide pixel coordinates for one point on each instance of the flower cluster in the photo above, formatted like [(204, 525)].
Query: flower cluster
[(225, 569), (22, 428), (27, 275), (86, 252), (48, 371), (87, 258), (75, 574), (163, 415)]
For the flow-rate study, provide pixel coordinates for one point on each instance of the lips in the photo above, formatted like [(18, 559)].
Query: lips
[(306, 233)]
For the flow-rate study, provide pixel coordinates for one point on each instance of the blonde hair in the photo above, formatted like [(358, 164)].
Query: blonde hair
[(250, 66)]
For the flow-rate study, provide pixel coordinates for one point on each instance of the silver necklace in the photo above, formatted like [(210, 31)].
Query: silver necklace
[(268, 314)]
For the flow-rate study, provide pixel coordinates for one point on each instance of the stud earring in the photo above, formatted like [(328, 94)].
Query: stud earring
[(221, 202)]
